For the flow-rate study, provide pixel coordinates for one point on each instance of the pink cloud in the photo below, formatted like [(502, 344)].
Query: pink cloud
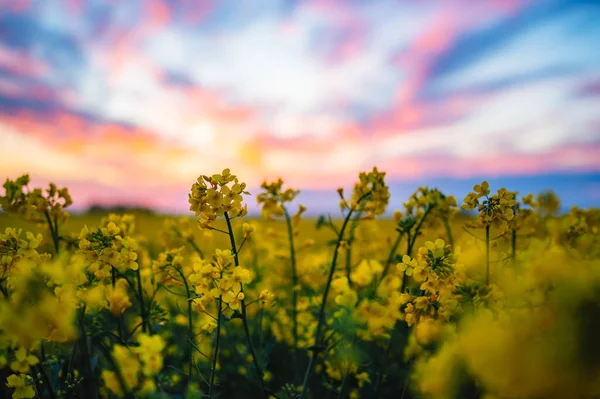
[(17, 6), (22, 64), (158, 15), (196, 11), (580, 158)]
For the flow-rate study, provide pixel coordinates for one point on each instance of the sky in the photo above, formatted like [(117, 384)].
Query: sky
[(128, 102)]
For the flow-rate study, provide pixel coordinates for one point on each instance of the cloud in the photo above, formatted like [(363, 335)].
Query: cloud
[(311, 91), (535, 43)]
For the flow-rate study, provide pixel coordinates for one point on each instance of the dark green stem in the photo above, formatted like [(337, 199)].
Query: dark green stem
[(243, 303), (190, 322), (449, 233), (294, 280), (487, 254), (46, 379), (343, 386), (53, 231), (514, 247), (408, 250), (215, 355), (119, 318), (349, 247), (321, 316), (117, 369), (391, 255), (145, 325), (86, 354), (3, 289), (418, 228)]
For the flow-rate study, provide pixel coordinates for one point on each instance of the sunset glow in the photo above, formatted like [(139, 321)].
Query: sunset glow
[(129, 101)]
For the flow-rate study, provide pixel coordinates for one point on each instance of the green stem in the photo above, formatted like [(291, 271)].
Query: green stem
[(449, 233), (294, 281), (487, 254), (391, 255), (189, 241), (190, 322), (145, 325), (243, 303), (46, 380), (86, 354), (321, 316), (408, 250), (119, 318), (343, 386), (196, 248), (53, 231), (117, 369), (215, 356), (418, 228), (514, 247), (3, 289), (349, 247)]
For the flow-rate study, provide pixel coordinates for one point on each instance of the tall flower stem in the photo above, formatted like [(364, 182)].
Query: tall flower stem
[(349, 247), (514, 246), (448, 232), (215, 356), (243, 303), (53, 231), (321, 316), (119, 317), (391, 255), (487, 254), (290, 230), (190, 322), (145, 322)]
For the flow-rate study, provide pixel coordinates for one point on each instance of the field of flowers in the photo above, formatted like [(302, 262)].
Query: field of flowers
[(501, 303)]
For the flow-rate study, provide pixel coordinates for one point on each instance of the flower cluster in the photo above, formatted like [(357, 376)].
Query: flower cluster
[(212, 196), (36, 205), (137, 366), (498, 207), (370, 194), (219, 278), (109, 247), (274, 198)]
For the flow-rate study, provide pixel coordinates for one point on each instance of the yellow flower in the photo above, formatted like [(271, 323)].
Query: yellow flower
[(149, 353), (248, 229), (347, 298), (112, 382), (23, 361), (233, 300), (372, 190), (22, 386), (266, 297), (128, 364), (407, 266), (240, 276), (420, 273), (361, 378), (117, 297)]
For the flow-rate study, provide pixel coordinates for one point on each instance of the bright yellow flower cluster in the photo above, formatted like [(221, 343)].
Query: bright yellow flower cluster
[(211, 196), (137, 366), (498, 207), (36, 205), (274, 197), (109, 247), (219, 279), (370, 194)]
